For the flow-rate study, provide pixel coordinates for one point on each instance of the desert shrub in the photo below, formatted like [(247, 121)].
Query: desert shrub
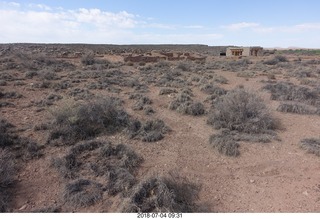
[(48, 75), (52, 209), (290, 92), (246, 74), (85, 146), (183, 104), (297, 108), (303, 73), (119, 180), (82, 193), (67, 166), (47, 101), (6, 104), (311, 145), (28, 149), (30, 74), (165, 91), (162, 194), (6, 136), (153, 130), (84, 121), (189, 108), (276, 60), (121, 156), (225, 144), (212, 89), (62, 85), (148, 110), (80, 94), (7, 170), (103, 157), (150, 131), (242, 111), (141, 102), (10, 95), (220, 79), (184, 66), (7, 177), (180, 98), (88, 59), (3, 83)]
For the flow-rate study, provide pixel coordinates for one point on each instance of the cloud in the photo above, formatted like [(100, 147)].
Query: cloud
[(40, 6), (194, 27), (38, 23), (9, 4), (191, 38), (304, 27), (239, 26)]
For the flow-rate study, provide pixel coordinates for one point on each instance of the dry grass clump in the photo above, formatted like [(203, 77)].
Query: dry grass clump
[(7, 177), (184, 104), (83, 121), (165, 91), (80, 94), (120, 180), (285, 91), (82, 193), (6, 136), (184, 66), (213, 89), (119, 156), (116, 163), (225, 144), (51, 209), (141, 101), (242, 111), (311, 145), (276, 60), (296, 108), (243, 117), (10, 95), (162, 194), (150, 131)]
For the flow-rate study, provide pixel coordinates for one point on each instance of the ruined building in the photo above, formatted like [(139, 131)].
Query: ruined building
[(244, 51)]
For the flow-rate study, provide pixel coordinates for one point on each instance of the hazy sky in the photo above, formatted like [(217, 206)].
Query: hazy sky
[(268, 23)]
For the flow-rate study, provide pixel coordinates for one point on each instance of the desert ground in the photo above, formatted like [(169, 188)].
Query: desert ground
[(102, 128)]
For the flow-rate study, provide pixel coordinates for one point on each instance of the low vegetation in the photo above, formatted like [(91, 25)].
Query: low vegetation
[(296, 108), (184, 104), (242, 111), (285, 91), (77, 122), (150, 131), (225, 144), (82, 193), (85, 115), (311, 145), (162, 194), (7, 178)]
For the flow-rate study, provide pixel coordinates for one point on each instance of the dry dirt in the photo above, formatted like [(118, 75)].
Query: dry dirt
[(266, 177)]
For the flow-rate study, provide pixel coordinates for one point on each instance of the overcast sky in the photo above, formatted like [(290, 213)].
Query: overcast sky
[(268, 23)]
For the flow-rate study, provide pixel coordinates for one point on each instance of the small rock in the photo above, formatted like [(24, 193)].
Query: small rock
[(252, 181), (306, 193), (23, 207)]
